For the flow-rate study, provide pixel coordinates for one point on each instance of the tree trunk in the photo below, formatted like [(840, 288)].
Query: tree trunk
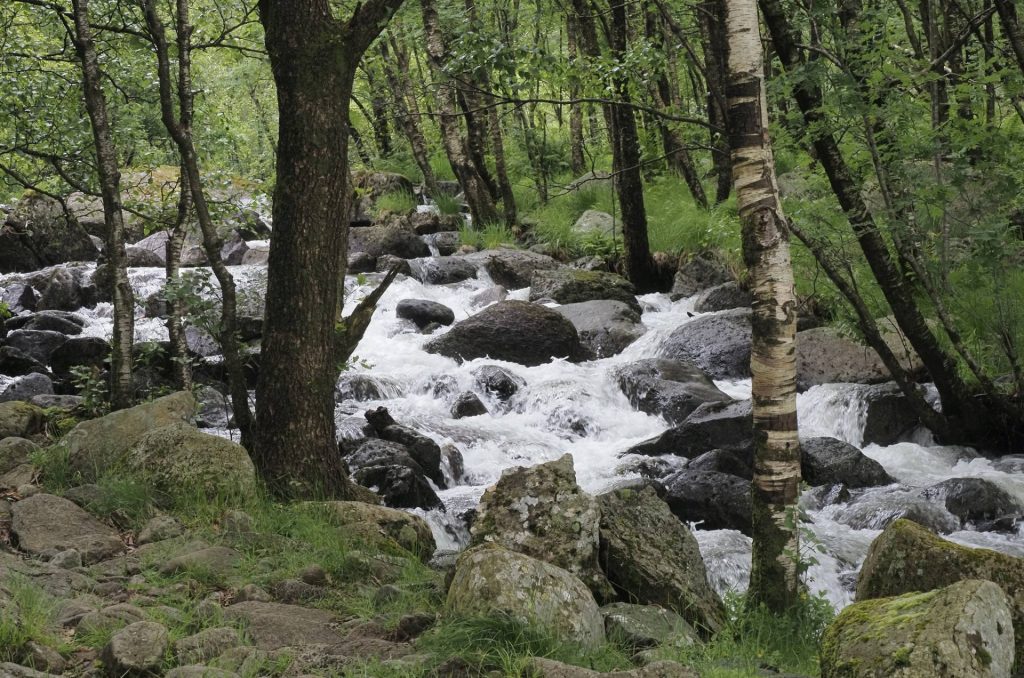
[(712, 24), (577, 162), (314, 57), (180, 360), (110, 190), (407, 110), (379, 109), (478, 196), (774, 578)]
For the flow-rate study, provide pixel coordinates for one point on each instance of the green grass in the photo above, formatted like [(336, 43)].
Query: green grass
[(396, 202), (28, 614), (490, 237), (447, 204)]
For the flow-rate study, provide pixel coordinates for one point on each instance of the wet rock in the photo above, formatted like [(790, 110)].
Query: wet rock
[(422, 312), (446, 242), (516, 331), (396, 238), (65, 288), (512, 269), (541, 512), (646, 626), (467, 405), (490, 579), (19, 297), (421, 448), (361, 262), (491, 295), (79, 352), (571, 286), (605, 327), (877, 510), (19, 419), (712, 426), (978, 502), (722, 461), (275, 625), (717, 343), (45, 525), (100, 443), (699, 273), (399, 486), (66, 323), (888, 417), (179, 456), (136, 650), (827, 461), (442, 270), (27, 387), (906, 558), (16, 363), (498, 382), (961, 630), (672, 389), (37, 233), (712, 500), (387, 262), (652, 558), (37, 344), (824, 356), (360, 386), (722, 298)]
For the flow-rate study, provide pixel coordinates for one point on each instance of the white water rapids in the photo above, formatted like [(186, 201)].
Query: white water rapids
[(543, 420)]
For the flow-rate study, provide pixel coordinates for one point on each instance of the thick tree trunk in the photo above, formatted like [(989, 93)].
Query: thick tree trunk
[(379, 110), (113, 217), (774, 578), (407, 110), (478, 195), (314, 57)]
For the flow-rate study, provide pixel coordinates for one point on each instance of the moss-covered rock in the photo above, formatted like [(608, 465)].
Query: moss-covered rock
[(572, 286), (95, 445), (907, 557), (490, 579), (373, 522), (180, 458), (15, 452), (960, 631), (19, 419), (652, 558)]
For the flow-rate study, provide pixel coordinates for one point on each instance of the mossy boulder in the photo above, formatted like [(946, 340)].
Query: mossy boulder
[(652, 558), (541, 511), (95, 445), (18, 419), (15, 452), (961, 631), (572, 286), (490, 579), (907, 557), (179, 458), (370, 521)]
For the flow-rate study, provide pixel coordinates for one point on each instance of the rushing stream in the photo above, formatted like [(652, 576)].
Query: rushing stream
[(578, 408)]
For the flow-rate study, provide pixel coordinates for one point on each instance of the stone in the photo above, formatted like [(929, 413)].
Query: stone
[(179, 457), (498, 382), (906, 557), (12, 670), (597, 223), (14, 452), (27, 387), (399, 486), (140, 257), (206, 645), (42, 657), (16, 363), (36, 344), (652, 558), (67, 560), (276, 625), (446, 243), (726, 425), (38, 233), (79, 352), (19, 298), (370, 521), (45, 525), (256, 255), (66, 323), (488, 296), (512, 269), (888, 417), (978, 502), (710, 499), (369, 186), (467, 405), (717, 343), (490, 579), (516, 331), (442, 270), (824, 356), (606, 327), (220, 561), (697, 274), (361, 262), (65, 288), (540, 511), (19, 419), (360, 386), (387, 262), (962, 630), (722, 461), (110, 618), (422, 312), (98, 444), (252, 592), (156, 245), (199, 671), (722, 298), (67, 403), (642, 627), (137, 649), (396, 238), (672, 389), (828, 461), (571, 286), (549, 668)]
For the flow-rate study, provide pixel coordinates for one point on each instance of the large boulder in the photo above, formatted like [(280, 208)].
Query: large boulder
[(370, 521), (642, 627), (725, 425), (717, 343), (722, 298), (652, 558), (423, 312), (824, 356), (497, 382), (14, 452), (396, 238), (95, 445), (960, 631), (27, 387), (672, 389), (516, 331), (571, 286), (46, 525), (710, 499), (828, 461), (978, 502), (37, 233), (420, 447), (36, 344), (888, 416), (79, 352), (180, 458), (19, 419), (606, 327), (442, 270), (396, 476), (907, 557), (65, 288), (64, 322), (15, 363), (490, 579), (512, 269), (697, 274), (595, 222), (540, 511)]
